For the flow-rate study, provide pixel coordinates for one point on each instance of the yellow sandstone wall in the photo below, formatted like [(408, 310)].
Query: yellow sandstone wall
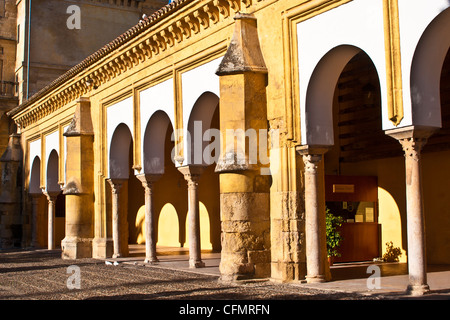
[(206, 41)]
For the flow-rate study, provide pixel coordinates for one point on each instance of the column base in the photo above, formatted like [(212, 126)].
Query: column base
[(102, 248), (284, 272), (418, 290), (315, 279), (196, 264), (76, 248), (151, 260), (237, 278)]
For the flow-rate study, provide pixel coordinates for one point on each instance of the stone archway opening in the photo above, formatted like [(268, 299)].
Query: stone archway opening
[(168, 200), (203, 150), (355, 166), (38, 225), (436, 177), (55, 202), (119, 174)]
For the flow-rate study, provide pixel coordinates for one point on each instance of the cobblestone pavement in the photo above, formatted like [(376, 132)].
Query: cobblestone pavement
[(43, 275)]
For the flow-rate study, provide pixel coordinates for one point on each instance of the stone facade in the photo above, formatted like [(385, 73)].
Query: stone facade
[(296, 81)]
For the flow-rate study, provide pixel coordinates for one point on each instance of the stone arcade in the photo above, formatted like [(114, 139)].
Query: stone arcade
[(341, 82)]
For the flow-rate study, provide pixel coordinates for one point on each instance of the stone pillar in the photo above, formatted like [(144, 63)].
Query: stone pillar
[(79, 188), (51, 198), (412, 140), (244, 187), (34, 218), (192, 175), (315, 232), (116, 185), (150, 238)]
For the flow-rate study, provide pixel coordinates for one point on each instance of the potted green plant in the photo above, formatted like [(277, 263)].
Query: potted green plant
[(392, 253), (334, 237)]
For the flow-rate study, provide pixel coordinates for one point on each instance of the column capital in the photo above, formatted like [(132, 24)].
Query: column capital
[(312, 149), (412, 147), (116, 184), (415, 132), (412, 139), (51, 196), (311, 162), (312, 155), (147, 179), (191, 173)]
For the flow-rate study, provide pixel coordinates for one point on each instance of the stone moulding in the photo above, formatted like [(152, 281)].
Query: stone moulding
[(106, 64)]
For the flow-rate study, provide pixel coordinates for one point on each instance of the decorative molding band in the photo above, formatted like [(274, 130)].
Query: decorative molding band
[(86, 76), (393, 61)]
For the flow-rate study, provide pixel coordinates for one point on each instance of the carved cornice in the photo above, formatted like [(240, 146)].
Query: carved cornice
[(106, 64)]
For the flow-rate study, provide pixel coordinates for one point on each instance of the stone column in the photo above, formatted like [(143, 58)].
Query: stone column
[(412, 140), (192, 175), (116, 185), (51, 198), (315, 232), (34, 214), (150, 243)]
